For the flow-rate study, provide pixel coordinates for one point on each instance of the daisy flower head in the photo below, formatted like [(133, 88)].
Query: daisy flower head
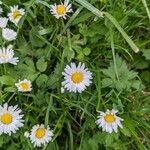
[(76, 78), (9, 34), (61, 10), (40, 135), (15, 14), (10, 119), (7, 56), (3, 22), (24, 86), (108, 121)]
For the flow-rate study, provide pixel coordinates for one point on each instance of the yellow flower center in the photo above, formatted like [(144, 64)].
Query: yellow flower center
[(24, 86), (40, 133), (6, 118), (109, 118), (77, 77), (16, 14), (60, 9)]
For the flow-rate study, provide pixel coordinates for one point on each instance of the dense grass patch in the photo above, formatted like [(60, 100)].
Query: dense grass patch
[(112, 38)]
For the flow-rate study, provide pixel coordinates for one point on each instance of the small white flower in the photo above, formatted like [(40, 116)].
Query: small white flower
[(26, 134), (24, 86), (40, 135), (10, 119), (1, 2), (76, 78), (3, 22), (7, 56), (108, 121), (9, 34), (61, 10), (15, 14)]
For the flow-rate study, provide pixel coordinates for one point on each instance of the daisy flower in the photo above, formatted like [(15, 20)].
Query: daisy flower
[(76, 78), (61, 10), (40, 135), (7, 56), (24, 86), (9, 34), (10, 119), (108, 121), (15, 14)]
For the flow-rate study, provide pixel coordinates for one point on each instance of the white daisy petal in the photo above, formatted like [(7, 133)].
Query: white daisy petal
[(40, 135), (61, 10), (7, 56), (24, 86), (10, 119), (108, 121), (76, 78)]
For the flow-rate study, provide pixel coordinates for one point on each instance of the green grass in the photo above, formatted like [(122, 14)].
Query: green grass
[(114, 46)]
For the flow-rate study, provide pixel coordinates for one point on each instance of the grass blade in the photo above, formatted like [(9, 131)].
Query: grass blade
[(124, 34), (90, 7), (146, 7), (98, 13)]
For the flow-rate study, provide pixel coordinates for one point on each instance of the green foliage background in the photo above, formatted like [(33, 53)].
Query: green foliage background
[(121, 77)]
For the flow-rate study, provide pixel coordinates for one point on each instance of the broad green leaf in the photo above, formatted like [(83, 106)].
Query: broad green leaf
[(41, 80), (7, 80), (146, 53), (41, 64)]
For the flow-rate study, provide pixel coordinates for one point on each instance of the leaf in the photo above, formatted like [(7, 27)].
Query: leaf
[(136, 84), (10, 89), (41, 64), (110, 138), (41, 80), (69, 54), (146, 76), (99, 137), (146, 53), (86, 51), (126, 78), (7, 80), (107, 82)]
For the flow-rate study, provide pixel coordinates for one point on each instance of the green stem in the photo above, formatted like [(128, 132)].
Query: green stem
[(113, 52), (11, 97)]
